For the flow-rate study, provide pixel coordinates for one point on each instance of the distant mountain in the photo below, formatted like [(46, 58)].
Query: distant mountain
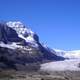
[(19, 46), (75, 54)]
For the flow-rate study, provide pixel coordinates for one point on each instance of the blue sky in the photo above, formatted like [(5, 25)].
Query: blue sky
[(57, 22)]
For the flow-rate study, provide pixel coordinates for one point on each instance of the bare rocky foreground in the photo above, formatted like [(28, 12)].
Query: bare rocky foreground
[(24, 75)]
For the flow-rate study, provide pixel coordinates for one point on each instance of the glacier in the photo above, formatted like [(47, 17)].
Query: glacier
[(66, 65)]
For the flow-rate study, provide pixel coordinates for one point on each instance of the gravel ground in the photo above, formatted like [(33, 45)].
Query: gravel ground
[(56, 75)]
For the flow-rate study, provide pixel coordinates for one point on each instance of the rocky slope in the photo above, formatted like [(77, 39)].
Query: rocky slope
[(19, 46)]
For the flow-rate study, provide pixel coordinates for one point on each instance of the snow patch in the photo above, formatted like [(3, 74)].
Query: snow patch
[(10, 46)]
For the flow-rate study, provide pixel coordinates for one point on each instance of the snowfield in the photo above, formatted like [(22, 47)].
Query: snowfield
[(75, 54), (67, 65)]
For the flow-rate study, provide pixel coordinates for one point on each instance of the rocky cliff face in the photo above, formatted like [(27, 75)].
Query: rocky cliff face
[(19, 46)]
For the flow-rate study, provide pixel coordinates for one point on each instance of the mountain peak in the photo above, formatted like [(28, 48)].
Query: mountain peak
[(16, 31), (19, 27)]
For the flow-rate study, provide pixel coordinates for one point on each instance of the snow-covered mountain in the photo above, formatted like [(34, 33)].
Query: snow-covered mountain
[(20, 45), (23, 32), (17, 32)]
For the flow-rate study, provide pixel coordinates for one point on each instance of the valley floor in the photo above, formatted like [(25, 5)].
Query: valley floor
[(22, 75), (58, 70)]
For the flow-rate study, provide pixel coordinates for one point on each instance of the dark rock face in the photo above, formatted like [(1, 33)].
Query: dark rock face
[(20, 56), (49, 55), (7, 34), (10, 57), (35, 36)]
